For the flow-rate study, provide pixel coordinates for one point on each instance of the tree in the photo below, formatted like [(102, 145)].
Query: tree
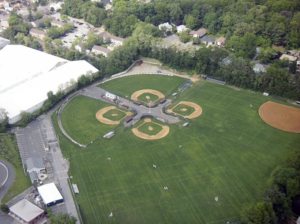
[(191, 21), (184, 37), (3, 120), (261, 213)]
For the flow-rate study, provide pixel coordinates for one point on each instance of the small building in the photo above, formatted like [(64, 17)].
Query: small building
[(289, 58), (220, 41), (181, 28), (208, 40), (259, 68), (26, 212), (98, 50), (198, 33), (35, 164), (50, 194), (39, 34), (167, 27), (4, 21), (3, 42)]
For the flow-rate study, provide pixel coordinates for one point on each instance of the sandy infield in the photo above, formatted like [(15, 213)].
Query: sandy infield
[(163, 133), (136, 94), (195, 114), (285, 118), (101, 112)]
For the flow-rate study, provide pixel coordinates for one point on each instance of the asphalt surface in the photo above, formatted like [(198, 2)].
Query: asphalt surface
[(4, 218)]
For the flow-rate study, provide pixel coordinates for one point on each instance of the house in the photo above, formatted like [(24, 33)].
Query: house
[(208, 40), (289, 58), (3, 42), (98, 50), (259, 68), (57, 23), (167, 27), (221, 41), (181, 28), (113, 40), (26, 212), (198, 33), (39, 34)]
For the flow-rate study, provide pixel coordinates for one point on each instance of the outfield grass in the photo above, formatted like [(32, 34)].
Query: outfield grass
[(227, 152), (150, 128), (128, 85), (10, 153), (114, 114), (178, 109)]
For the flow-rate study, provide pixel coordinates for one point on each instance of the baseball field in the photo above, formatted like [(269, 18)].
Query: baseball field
[(203, 173)]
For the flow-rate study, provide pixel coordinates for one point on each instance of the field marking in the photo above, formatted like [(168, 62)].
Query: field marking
[(2, 164)]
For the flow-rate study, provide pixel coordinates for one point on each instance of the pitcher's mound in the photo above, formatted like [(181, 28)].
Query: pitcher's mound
[(285, 118)]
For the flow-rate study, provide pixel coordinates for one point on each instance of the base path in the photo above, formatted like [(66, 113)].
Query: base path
[(197, 109), (285, 118), (135, 96), (163, 132), (104, 120)]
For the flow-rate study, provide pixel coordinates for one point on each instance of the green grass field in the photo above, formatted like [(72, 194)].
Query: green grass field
[(183, 110), (114, 114), (150, 128), (147, 98), (126, 86), (10, 153), (227, 152)]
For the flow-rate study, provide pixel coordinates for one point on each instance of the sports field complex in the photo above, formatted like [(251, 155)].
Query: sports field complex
[(206, 169)]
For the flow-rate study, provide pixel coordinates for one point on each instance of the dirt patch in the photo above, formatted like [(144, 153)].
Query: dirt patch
[(285, 118), (163, 133), (138, 93), (104, 120), (197, 109), (150, 128)]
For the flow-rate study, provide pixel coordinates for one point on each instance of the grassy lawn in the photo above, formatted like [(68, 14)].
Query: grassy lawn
[(183, 110), (150, 128), (79, 119), (228, 152), (147, 98), (128, 85), (114, 115), (10, 153)]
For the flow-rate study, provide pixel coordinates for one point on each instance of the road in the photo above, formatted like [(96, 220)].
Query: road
[(4, 218)]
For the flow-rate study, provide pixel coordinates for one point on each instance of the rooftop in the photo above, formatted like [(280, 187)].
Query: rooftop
[(100, 48), (49, 193), (26, 210)]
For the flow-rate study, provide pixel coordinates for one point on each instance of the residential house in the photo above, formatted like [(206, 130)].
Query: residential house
[(259, 68), (167, 27), (220, 42), (39, 34), (198, 33), (289, 58), (26, 212), (208, 40), (98, 50), (181, 28)]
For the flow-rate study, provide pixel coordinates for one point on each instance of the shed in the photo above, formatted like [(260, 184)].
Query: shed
[(50, 194), (26, 212)]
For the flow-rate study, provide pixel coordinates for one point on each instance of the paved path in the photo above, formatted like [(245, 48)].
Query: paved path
[(4, 218)]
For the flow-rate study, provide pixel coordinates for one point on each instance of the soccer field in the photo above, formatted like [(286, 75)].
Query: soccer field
[(228, 154)]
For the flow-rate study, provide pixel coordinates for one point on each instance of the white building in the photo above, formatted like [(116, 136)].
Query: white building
[(50, 194), (27, 75)]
